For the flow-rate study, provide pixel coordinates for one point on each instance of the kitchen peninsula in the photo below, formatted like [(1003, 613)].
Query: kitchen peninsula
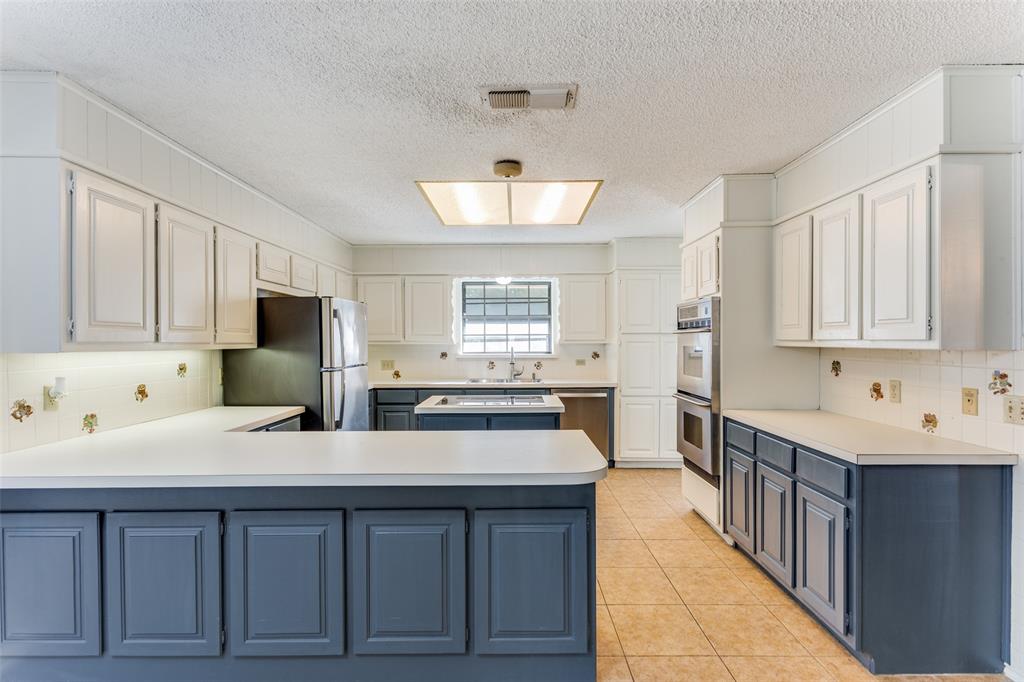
[(312, 555)]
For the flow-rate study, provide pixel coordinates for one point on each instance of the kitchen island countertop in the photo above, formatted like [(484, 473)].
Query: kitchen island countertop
[(498, 404), (466, 383)]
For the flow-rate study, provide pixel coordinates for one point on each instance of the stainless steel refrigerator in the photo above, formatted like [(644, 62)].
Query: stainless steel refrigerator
[(311, 352)]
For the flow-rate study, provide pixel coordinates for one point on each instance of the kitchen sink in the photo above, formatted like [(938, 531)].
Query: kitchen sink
[(503, 381)]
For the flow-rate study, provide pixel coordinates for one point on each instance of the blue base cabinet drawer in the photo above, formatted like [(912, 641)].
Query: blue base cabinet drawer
[(409, 578), (287, 582), (530, 581), (775, 452), (49, 584), (163, 583)]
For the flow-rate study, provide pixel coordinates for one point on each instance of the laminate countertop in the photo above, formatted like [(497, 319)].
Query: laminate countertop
[(495, 404), (864, 442), (467, 384), (205, 449)]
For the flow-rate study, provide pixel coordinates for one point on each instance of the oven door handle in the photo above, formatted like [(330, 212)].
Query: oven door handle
[(692, 401)]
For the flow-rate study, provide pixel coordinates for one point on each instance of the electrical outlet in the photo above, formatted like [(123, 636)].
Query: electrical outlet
[(969, 399), (895, 391), (581, 362), (1013, 409), (387, 364)]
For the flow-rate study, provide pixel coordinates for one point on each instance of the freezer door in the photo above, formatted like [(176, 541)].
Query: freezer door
[(344, 332), (346, 399)]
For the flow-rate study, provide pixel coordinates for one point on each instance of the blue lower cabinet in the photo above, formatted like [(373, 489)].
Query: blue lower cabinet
[(286, 576), (530, 581), (821, 556), (453, 422), (163, 583), (396, 418), (49, 585), (739, 498), (773, 522), (409, 581), (524, 422)]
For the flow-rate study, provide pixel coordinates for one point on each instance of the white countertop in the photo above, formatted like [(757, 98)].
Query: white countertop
[(203, 449), (864, 442), (459, 404), (466, 383)]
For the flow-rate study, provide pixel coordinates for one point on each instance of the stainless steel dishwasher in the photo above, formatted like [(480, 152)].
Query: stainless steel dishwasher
[(586, 409)]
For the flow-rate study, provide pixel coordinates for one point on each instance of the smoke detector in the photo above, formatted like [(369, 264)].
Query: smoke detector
[(508, 168), (546, 96)]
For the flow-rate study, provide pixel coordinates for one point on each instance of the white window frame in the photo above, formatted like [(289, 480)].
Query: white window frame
[(457, 316)]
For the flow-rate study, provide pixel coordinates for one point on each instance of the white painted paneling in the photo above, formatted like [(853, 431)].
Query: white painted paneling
[(896, 257), (236, 287), (195, 183), (640, 364), (28, 117), (835, 289), (124, 148), (74, 137), (582, 309), (181, 189), (345, 286), (645, 253), (274, 264), (428, 309), (638, 426), (225, 208), (156, 165), (208, 191), (383, 298), (303, 273), (983, 109), (326, 281), (792, 267), (185, 270), (705, 212), (97, 131)]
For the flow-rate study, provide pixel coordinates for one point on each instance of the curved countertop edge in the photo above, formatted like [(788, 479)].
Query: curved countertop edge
[(866, 443), (281, 414)]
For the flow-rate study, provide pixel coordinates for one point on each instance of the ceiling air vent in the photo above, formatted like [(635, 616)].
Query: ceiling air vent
[(505, 97)]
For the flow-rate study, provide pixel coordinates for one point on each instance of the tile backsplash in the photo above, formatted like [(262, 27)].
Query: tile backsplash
[(856, 382), (106, 391)]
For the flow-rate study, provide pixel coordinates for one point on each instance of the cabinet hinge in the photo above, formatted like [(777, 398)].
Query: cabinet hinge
[(71, 182), (71, 326), (846, 523), (931, 182), (223, 637), (222, 528), (930, 323), (158, 331), (467, 635), (846, 620), (467, 526)]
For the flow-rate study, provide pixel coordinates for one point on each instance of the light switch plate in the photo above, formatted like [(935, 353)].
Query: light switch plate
[(387, 364), (1013, 409), (969, 399), (895, 391)]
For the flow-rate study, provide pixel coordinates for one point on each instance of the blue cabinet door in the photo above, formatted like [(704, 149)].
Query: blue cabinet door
[(453, 422), (773, 522), (821, 556), (530, 581), (396, 418), (524, 422), (409, 581), (163, 583), (287, 583), (739, 498), (49, 585)]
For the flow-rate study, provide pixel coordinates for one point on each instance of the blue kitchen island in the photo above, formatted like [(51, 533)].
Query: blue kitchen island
[(489, 413), (313, 556)]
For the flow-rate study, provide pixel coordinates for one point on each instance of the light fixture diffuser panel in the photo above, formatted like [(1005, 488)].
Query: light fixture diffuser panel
[(552, 203), (468, 203)]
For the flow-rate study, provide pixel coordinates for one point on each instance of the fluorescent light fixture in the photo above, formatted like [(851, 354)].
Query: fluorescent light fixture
[(560, 202)]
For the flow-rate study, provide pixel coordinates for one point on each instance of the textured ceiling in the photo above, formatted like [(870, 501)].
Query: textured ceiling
[(336, 108)]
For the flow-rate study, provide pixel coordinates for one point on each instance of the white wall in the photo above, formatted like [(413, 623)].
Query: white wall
[(931, 383), (103, 384)]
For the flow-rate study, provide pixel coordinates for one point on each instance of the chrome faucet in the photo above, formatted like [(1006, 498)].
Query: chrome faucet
[(513, 373)]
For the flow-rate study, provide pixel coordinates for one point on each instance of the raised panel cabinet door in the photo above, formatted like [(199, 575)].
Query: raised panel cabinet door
[(707, 266), (303, 273), (273, 264), (792, 267), (638, 302), (638, 428), (835, 289), (383, 298), (409, 581), (821, 556), (236, 287), (739, 498), (113, 270), (688, 274), (396, 418), (668, 301), (530, 574), (185, 270), (667, 427), (640, 372), (428, 310), (773, 522), (163, 583), (49, 585), (326, 281), (896, 257), (583, 309), (286, 577)]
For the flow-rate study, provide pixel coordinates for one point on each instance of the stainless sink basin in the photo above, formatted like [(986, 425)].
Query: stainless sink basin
[(503, 381)]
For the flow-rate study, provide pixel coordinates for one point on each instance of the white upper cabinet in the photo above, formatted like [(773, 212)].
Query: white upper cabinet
[(236, 287), (185, 272), (303, 273), (793, 279), (639, 309), (428, 310), (896, 262), (326, 281), (583, 309), (707, 266), (835, 289), (383, 298), (640, 363), (689, 273), (668, 301), (113, 263), (274, 264)]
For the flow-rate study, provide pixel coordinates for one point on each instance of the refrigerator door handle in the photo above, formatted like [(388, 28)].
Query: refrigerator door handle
[(333, 399)]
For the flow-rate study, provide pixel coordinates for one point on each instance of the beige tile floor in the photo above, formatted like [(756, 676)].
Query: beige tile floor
[(675, 603)]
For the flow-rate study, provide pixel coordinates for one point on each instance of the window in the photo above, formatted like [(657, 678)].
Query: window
[(497, 318)]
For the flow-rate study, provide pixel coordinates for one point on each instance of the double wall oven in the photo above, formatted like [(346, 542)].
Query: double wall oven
[(697, 389)]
